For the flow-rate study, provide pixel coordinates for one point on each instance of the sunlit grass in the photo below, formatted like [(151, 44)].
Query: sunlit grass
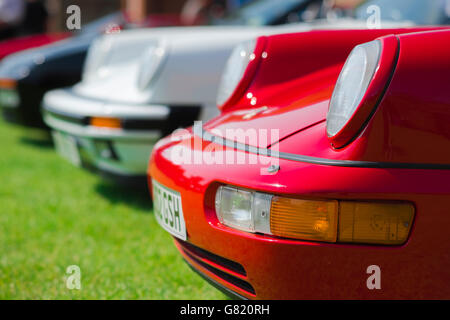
[(53, 215)]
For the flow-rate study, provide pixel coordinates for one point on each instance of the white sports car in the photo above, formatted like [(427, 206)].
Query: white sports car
[(137, 87)]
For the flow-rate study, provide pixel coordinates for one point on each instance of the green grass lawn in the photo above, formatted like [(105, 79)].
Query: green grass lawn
[(53, 215)]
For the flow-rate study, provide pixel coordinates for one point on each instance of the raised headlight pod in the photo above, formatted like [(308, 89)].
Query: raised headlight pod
[(239, 70), (387, 223), (360, 84), (152, 61), (352, 84)]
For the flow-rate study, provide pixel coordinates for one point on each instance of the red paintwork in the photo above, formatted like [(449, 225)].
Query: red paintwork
[(8, 47), (410, 125)]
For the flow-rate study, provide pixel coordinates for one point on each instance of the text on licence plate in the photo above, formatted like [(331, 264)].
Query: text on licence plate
[(168, 210)]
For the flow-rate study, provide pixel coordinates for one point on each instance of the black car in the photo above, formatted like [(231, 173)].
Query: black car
[(26, 76)]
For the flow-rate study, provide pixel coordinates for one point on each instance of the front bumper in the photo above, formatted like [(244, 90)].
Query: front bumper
[(114, 153), (256, 266), (120, 152)]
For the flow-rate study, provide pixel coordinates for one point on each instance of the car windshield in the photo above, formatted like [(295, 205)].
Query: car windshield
[(422, 12), (263, 12)]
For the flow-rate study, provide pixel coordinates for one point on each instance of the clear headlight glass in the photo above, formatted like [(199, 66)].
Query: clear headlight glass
[(352, 84), (243, 210), (332, 220), (235, 208), (97, 57), (236, 65), (152, 61)]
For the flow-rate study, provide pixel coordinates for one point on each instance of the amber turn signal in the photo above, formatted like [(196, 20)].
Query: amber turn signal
[(8, 83), (113, 123), (304, 219), (372, 222), (359, 222)]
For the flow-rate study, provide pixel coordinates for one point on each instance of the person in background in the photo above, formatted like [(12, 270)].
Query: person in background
[(12, 13), (36, 16), (193, 11)]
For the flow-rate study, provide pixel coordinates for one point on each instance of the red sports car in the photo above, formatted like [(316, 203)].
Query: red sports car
[(327, 174)]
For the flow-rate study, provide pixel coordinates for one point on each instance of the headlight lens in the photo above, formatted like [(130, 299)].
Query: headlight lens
[(352, 84), (243, 210), (235, 68), (235, 208), (96, 58), (151, 63), (387, 223)]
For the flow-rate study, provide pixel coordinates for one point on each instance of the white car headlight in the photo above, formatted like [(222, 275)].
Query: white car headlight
[(235, 68), (96, 57), (152, 61), (352, 85)]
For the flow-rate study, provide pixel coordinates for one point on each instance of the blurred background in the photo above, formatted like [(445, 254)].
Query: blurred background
[(25, 17)]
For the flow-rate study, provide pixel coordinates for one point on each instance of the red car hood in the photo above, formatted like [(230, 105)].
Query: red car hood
[(308, 108), (8, 47), (292, 85)]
